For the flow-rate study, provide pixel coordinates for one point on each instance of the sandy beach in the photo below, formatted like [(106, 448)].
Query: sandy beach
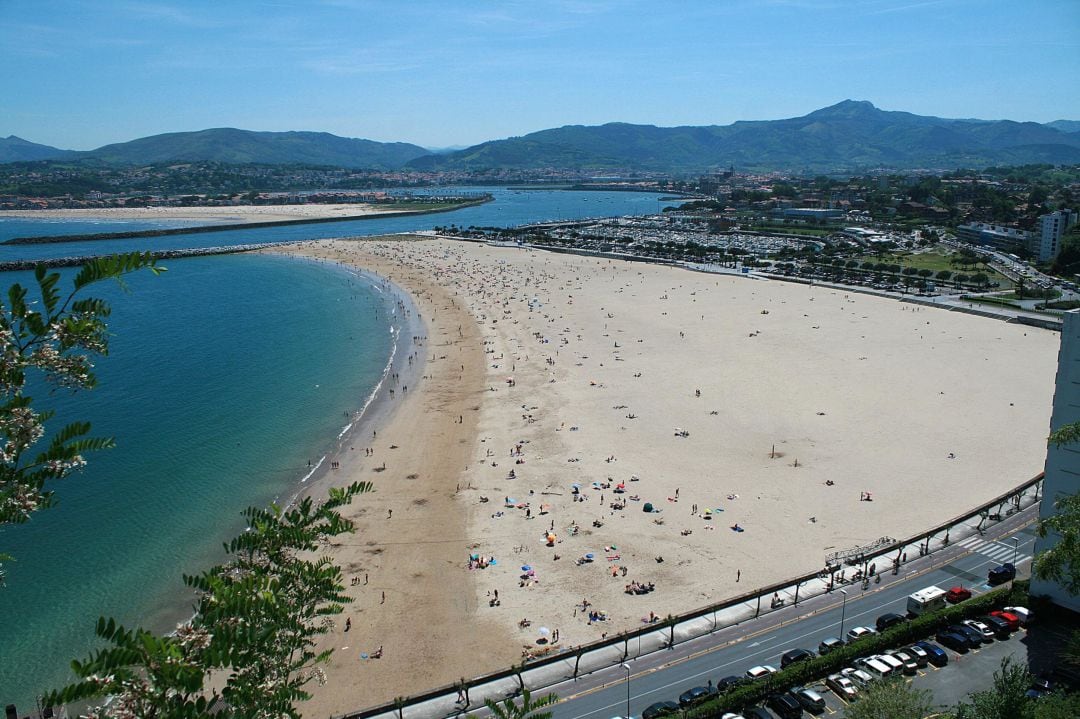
[(239, 214), (561, 394)]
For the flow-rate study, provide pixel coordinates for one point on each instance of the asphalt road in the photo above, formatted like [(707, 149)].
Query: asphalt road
[(664, 675)]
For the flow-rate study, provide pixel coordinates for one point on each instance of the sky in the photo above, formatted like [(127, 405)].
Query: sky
[(81, 74)]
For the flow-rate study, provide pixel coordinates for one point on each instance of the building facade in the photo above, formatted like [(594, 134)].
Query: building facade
[(1009, 239), (1051, 228), (1062, 463)]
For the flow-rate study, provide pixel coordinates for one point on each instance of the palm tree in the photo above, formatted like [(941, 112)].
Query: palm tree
[(528, 709)]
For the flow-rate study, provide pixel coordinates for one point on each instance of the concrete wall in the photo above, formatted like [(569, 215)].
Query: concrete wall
[(1062, 463)]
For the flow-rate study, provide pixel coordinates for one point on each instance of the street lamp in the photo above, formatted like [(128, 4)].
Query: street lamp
[(627, 668), (1016, 546), (843, 609)]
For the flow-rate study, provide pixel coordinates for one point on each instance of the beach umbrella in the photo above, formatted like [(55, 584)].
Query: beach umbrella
[(589, 555), (543, 631), (526, 568)]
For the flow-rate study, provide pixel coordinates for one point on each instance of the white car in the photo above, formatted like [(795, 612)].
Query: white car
[(910, 665), (856, 633), (858, 676), (986, 632), (918, 654), (842, 687), (760, 672)]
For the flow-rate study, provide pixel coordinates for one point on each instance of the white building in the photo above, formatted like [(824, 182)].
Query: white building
[(1062, 463), (1051, 228)]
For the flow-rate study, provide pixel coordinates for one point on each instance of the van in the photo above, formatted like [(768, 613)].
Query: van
[(894, 664), (928, 599), (878, 669)]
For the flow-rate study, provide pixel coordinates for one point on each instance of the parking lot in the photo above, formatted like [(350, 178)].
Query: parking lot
[(965, 673)]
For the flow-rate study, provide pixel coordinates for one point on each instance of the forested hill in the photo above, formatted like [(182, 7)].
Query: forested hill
[(273, 148), (850, 135)]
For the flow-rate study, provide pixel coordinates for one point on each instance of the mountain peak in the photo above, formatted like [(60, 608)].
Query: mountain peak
[(846, 108)]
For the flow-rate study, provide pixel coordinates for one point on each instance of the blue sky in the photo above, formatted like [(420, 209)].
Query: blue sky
[(82, 74)]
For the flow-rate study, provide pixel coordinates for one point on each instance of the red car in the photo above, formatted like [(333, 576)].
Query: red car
[(1012, 619), (957, 594)]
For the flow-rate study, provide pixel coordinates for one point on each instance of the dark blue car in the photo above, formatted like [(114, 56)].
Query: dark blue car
[(937, 656), (957, 642)]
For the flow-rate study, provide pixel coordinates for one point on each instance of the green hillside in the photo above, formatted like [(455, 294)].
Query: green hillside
[(847, 136), (244, 146)]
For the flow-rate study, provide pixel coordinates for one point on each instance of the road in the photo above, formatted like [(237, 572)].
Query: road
[(664, 675)]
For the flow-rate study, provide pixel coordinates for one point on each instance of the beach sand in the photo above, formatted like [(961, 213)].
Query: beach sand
[(238, 214), (575, 370)]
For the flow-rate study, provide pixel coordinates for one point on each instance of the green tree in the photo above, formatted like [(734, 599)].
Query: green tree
[(1061, 562), (943, 275), (256, 622), (979, 279), (527, 709), (890, 699), (53, 336), (1007, 699)]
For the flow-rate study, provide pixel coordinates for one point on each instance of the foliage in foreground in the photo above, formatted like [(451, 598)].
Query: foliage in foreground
[(256, 624), (1061, 562), (52, 335), (892, 698), (528, 709)]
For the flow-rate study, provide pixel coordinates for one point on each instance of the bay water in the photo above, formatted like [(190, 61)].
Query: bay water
[(226, 377)]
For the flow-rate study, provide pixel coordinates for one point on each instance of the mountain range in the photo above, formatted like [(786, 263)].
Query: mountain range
[(848, 136)]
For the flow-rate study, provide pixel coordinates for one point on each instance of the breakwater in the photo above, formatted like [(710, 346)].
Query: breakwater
[(134, 234)]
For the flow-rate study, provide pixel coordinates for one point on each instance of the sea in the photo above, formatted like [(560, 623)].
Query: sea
[(228, 379)]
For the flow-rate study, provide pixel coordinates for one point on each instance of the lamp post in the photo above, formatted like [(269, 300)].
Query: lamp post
[(627, 668), (843, 609), (1016, 546)]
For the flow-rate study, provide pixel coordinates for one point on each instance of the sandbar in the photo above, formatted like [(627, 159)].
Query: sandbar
[(235, 214)]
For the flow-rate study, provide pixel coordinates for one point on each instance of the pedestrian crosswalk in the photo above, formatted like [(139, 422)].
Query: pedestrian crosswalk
[(1000, 551)]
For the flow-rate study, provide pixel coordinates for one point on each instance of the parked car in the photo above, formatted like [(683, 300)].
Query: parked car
[(959, 643), (829, 644), (935, 654), (856, 633), (982, 628), (784, 705), (1012, 620), (918, 655), (730, 682), (694, 695), (957, 595), (910, 666), (659, 709), (810, 699), (756, 713), (1001, 627), (887, 621), (1024, 614), (861, 678), (760, 672), (1002, 573), (973, 636), (842, 687), (730, 715), (1040, 687), (794, 656)]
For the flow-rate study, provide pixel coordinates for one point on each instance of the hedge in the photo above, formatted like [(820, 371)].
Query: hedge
[(901, 635)]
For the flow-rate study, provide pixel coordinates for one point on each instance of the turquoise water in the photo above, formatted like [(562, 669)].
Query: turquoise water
[(226, 376)]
